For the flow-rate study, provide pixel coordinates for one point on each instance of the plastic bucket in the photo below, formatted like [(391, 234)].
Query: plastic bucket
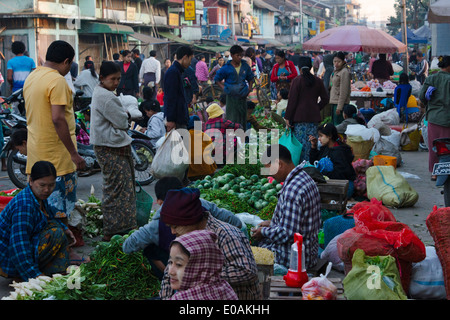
[(381, 160)]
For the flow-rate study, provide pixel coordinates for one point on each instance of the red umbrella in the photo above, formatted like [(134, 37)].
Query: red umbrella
[(354, 38)]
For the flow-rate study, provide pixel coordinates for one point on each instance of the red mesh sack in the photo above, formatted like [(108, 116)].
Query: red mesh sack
[(438, 224), (376, 208), (380, 238)]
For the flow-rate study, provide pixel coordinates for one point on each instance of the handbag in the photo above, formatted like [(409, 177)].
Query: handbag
[(292, 144)]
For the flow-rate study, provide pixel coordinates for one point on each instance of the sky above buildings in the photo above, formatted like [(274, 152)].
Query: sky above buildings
[(377, 11)]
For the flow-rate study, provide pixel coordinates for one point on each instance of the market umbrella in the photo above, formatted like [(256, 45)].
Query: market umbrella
[(354, 38), (439, 12)]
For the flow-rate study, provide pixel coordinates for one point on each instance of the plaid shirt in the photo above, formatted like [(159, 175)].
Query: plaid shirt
[(20, 224), (239, 269), (212, 125), (297, 211)]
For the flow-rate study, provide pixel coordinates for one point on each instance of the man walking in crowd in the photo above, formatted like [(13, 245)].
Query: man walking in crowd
[(297, 211), (237, 88), (137, 58), (201, 71), (175, 104), (150, 72), (51, 125), (19, 67), (422, 68)]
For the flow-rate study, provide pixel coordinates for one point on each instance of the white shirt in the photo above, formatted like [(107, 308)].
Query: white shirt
[(150, 65)]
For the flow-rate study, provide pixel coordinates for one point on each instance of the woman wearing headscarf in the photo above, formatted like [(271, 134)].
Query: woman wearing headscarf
[(303, 110), (183, 212), (195, 267), (340, 87)]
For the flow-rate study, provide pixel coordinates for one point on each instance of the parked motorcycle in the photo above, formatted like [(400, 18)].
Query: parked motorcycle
[(442, 169), (141, 151)]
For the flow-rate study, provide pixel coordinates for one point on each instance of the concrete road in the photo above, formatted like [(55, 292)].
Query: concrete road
[(415, 167)]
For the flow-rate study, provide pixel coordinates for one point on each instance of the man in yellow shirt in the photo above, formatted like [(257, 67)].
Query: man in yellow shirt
[(51, 125)]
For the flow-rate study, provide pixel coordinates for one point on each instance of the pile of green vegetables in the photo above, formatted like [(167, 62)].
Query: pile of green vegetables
[(110, 275), (255, 191), (126, 276), (10, 194)]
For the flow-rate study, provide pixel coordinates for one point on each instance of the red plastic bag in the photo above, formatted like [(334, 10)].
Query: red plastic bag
[(438, 223), (319, 288), (4, 200)]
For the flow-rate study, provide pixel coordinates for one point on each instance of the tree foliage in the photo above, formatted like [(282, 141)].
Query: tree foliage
[(416, 11)]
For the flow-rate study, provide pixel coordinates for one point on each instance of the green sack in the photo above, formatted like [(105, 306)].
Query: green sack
[(373, 278), (144, 203), (388, 186), (293, 145)]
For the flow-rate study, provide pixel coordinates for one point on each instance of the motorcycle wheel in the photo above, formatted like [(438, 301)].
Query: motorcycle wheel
[(447, 192), (213, 91), (16, 168), (146, 155)]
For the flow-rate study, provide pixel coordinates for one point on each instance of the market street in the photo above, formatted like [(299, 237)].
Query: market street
[(414, 163)]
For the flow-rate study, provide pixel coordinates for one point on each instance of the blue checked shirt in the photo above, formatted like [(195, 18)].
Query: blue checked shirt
[(20, 224), (297, 211)]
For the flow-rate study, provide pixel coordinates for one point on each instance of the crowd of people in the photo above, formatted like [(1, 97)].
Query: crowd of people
[(196, 249)]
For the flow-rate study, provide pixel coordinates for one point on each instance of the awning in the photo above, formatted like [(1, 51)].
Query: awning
[(146, 39), (173, 37), (97, 27), (260, 41), (212, 48), (275, 43)]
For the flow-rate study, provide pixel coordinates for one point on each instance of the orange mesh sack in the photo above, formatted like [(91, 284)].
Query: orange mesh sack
[(438, 224)]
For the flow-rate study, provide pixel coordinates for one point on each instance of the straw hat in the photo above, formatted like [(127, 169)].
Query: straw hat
[(214, 111)]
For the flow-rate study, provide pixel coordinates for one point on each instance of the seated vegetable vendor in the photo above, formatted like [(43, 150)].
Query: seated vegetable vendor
[(251, 119), (155, 237), (201, 163), (350, 114), (297, 210), (32, 241), (337, 151), (183, 212)]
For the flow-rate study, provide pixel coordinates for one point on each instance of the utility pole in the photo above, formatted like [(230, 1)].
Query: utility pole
[(405, 37), (300, 22), (233, 31)]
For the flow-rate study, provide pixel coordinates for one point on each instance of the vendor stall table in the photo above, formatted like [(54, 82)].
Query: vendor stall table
[(333, 195), (369, 101), (278, 286)]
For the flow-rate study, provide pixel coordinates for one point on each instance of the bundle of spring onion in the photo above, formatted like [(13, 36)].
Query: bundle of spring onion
[(94, 218), (72, 286)]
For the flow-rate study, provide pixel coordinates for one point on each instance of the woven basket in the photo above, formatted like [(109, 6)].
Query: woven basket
[(361, 148)]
